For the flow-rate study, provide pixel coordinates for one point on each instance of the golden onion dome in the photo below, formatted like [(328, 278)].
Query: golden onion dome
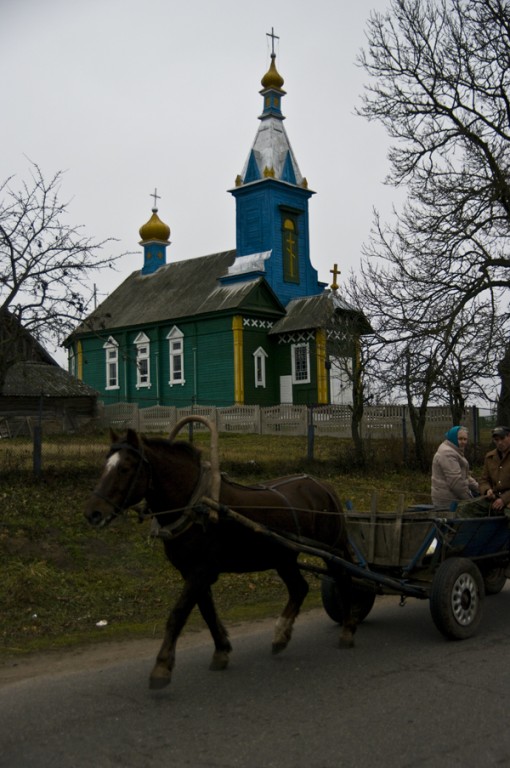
[(272, 78), (155, 229)]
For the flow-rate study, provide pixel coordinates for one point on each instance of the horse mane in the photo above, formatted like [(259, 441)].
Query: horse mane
[(173, 446)]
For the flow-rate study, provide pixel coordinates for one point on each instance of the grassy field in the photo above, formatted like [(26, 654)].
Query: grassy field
[(60, 578)]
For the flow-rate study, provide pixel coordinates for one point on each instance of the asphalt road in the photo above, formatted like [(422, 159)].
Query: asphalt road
[(402, 697)]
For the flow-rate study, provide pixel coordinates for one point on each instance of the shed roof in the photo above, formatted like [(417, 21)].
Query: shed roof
[(33, 379)]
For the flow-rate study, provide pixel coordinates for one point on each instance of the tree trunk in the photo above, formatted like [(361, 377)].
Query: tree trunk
[(418, 417), (357, 408)]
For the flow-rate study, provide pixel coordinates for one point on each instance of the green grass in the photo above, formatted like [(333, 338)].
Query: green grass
[(60, 577)]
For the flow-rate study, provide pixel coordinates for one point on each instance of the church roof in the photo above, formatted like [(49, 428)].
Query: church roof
[(176, 290), (272, 156), (311, 312)]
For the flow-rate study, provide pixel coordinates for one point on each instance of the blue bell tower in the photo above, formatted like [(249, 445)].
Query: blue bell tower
[(272, 227)]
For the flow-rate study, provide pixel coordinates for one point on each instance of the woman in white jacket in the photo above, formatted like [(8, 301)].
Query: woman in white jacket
[(451, 480)]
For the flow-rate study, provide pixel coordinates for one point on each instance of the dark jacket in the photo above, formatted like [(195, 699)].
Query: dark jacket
[(496, 475)]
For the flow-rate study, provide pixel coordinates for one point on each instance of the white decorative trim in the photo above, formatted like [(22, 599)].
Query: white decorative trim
[(253, 322), (298, 337)]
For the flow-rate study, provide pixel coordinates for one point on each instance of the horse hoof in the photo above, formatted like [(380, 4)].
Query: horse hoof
[(278, 648), (346, 641), (160, 677), (219, 661)]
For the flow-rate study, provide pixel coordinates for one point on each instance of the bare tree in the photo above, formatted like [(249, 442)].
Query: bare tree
[(423, 352), (350, 370), (46, 265), (439, 82), (347, 358)]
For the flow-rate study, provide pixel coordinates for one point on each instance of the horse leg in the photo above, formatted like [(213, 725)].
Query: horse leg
[(297, 587), (162, 671), (219, 634), (344, 584)]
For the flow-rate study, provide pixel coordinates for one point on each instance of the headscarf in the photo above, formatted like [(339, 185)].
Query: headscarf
[(453, 434)]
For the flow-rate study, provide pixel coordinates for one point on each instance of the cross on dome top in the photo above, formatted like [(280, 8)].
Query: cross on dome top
[(273, 38), (156, 198)]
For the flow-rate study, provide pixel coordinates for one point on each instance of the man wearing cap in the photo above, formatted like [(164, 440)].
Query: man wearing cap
[(495, 482)]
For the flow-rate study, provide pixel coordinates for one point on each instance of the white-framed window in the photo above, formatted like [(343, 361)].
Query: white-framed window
[(111, 348), (71, 365), (259, 360), (300, 363), (176, 353), (143, 360)]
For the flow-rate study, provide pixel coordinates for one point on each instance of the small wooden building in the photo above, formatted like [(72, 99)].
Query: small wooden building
[(33, 387)]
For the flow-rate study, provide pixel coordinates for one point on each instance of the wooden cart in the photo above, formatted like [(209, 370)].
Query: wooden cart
[(428, 553), (423, 551)]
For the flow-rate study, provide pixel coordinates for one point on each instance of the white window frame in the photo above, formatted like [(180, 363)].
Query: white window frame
[(143, 361), (72, 362), (259, 365), (176, 357), (304, 377), (111, 348)]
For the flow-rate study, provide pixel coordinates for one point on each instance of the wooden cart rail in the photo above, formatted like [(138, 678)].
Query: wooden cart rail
[(403, 540), (317, 549), (413, 534)]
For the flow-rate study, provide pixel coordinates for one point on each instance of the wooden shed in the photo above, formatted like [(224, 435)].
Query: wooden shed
[(36, 391)]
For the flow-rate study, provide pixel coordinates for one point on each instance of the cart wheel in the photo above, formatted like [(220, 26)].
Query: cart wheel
[(363, 598), (456, 598), (494, 580)]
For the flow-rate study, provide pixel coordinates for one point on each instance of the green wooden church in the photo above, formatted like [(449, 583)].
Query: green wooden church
[(248, 326)]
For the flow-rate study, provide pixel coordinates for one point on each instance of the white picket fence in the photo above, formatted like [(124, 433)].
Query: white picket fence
[(378, 422)]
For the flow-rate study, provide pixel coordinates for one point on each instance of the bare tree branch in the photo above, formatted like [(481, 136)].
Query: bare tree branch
[(46, 265)]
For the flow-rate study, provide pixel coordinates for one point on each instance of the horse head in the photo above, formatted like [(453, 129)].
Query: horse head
[(124, 481)]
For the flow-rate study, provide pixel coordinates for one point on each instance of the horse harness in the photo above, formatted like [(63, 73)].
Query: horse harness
[(191, 514), (198, 508)]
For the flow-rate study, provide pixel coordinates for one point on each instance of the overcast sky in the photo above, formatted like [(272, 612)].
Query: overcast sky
[(126, 96)]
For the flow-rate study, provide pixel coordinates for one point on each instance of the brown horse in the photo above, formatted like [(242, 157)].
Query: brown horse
[(171, 478)]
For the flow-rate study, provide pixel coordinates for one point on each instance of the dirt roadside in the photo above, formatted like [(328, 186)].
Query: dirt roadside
[(60, 662)]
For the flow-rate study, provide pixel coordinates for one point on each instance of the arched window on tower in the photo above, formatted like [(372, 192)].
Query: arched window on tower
[(290, 249)]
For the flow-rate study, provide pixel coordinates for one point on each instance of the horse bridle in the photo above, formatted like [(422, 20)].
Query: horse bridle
[(190, 514), (120, 509)]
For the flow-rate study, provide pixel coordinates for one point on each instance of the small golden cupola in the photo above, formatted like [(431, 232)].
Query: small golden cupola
[(272, 78), (155, 236)]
